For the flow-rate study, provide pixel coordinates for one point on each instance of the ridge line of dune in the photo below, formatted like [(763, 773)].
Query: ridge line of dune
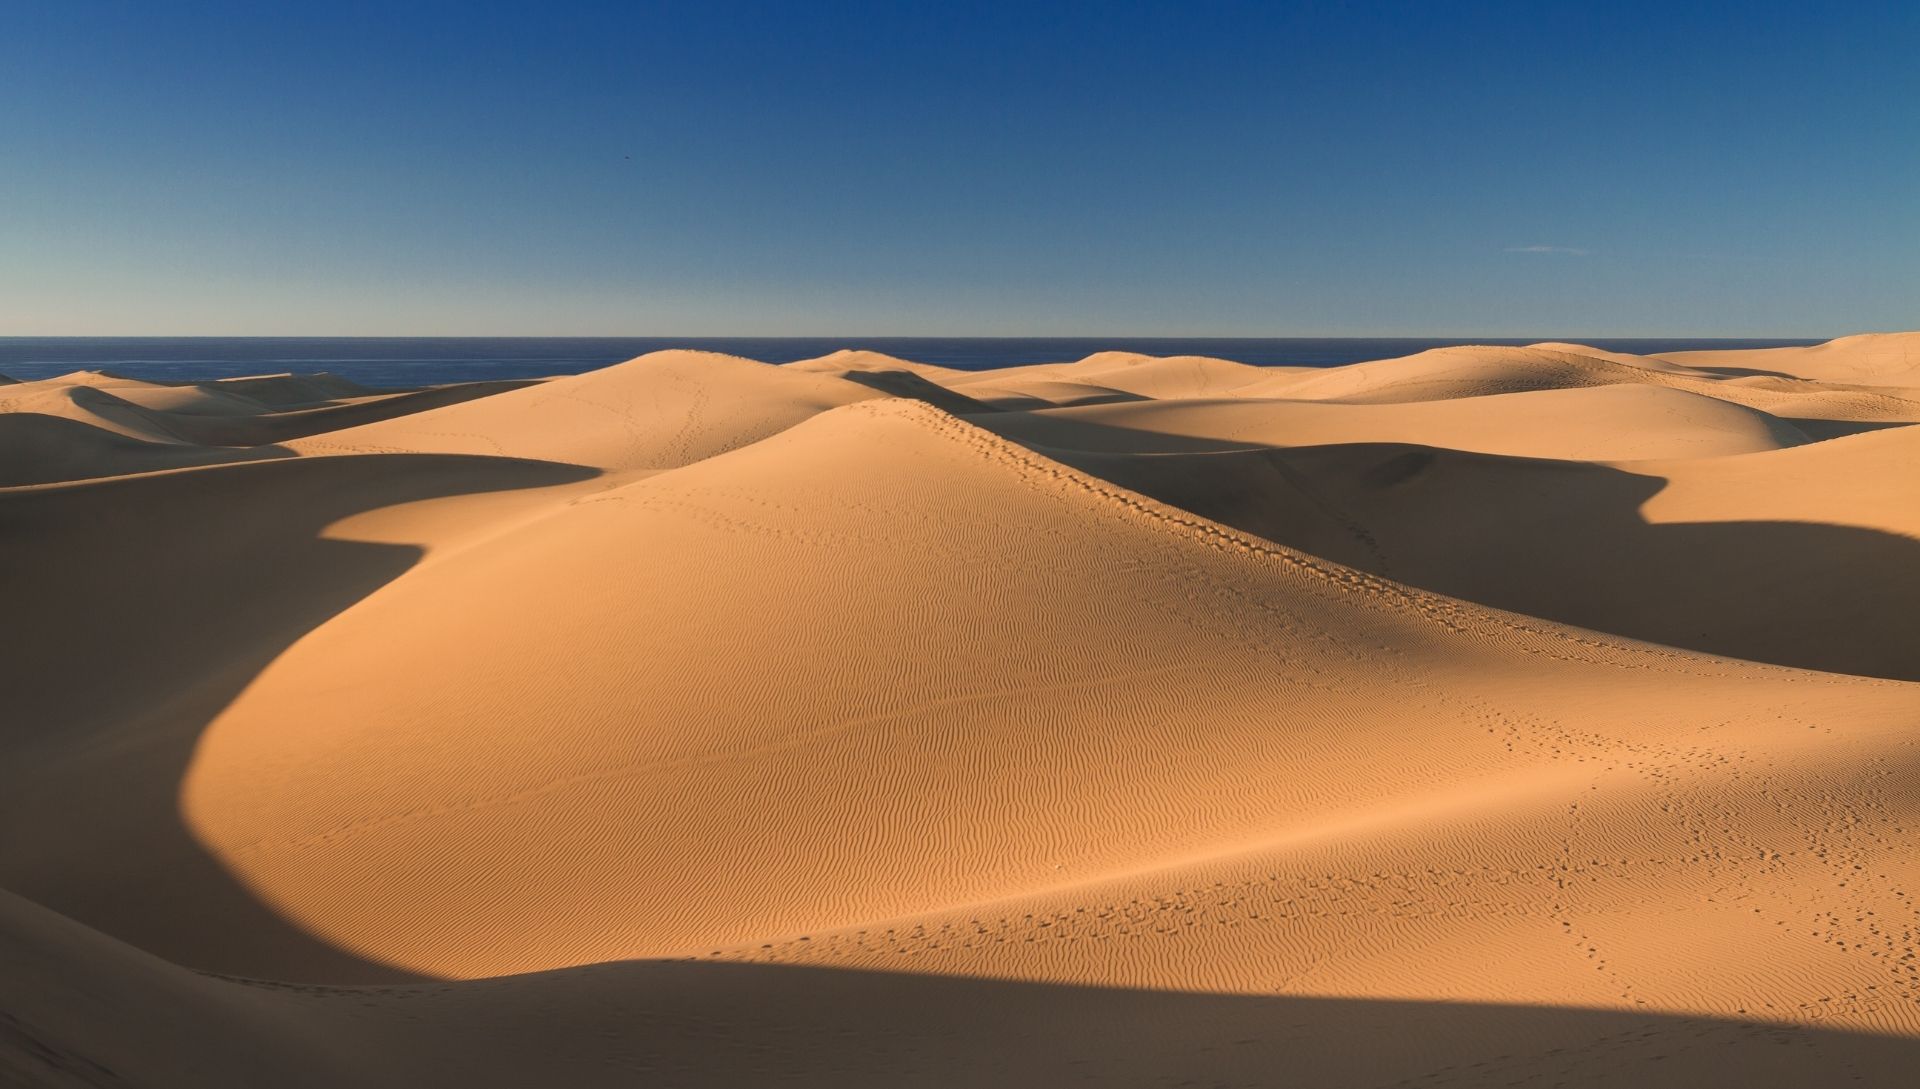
[(1448, 613)]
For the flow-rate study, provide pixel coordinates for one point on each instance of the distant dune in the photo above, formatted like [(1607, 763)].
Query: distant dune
[(1487, 716)]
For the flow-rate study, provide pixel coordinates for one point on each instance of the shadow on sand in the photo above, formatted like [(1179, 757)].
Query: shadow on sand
[(1560, 540), (138, 608), (718, 1024)]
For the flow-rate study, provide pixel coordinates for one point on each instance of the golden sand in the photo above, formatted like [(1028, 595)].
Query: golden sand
[(1485, 716)]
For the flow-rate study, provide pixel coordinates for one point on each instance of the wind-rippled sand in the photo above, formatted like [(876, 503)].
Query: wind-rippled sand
[(1489, 716)]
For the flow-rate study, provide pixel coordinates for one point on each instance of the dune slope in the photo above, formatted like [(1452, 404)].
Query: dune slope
[(1613, 423), (1807, 557), (1875, 359)]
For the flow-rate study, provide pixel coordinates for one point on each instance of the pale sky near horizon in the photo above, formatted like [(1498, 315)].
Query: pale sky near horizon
[(1603, 169)]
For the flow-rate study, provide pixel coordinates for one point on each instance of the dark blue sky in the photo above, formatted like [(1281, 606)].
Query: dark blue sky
[(838, 168)]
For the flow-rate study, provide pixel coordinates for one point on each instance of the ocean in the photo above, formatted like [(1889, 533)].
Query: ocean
[(418, 361)]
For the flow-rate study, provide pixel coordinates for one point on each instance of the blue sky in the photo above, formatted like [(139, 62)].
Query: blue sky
[(837, 168)]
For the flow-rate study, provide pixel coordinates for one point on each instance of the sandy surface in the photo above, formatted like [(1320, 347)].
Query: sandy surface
[(1489, 716)]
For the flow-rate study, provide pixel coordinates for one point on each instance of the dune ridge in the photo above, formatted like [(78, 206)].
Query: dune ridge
[(1489, 715)]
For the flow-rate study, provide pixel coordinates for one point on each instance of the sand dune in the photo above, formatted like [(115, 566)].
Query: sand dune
[(1878, 359), (91, 403), (658, 411), (1469, 372), (1128, 373), (1614, 423), (1801, 557), (848, 361), (732, 1024), (1488, 716), (43, 448), (128, 425)]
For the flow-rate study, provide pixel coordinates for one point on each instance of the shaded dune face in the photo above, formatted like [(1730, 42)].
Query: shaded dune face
[(1507, 715), (1706, 555), (138, 607), (742, 1024)]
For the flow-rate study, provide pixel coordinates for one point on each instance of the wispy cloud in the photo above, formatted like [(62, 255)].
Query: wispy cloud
[(1570, 251)]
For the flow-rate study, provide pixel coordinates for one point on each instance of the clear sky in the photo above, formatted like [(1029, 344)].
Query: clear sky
[(950, 169)]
